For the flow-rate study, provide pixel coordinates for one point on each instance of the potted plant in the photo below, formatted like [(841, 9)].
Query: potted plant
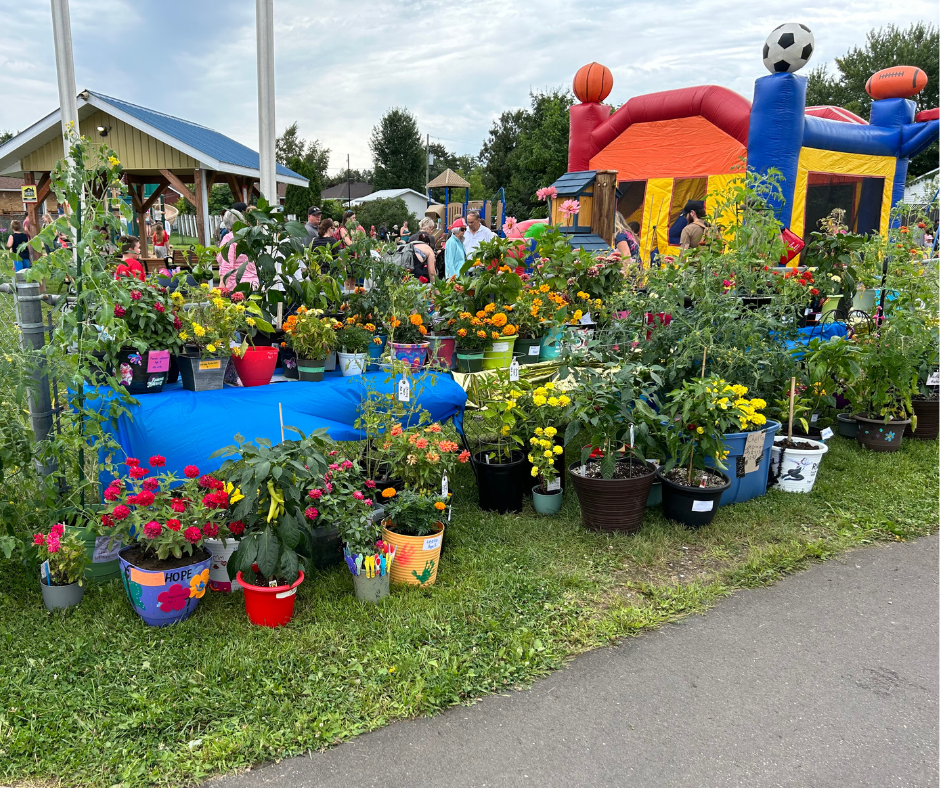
[(414, 529), (312, 338), (530, 316), (543, 451), (408, 339), (163, 523), (502, 335), (282, 532), (62, 573), (210, 321), (254, 364), (547, 406), (353, 341), (472, 339), (420, 457)]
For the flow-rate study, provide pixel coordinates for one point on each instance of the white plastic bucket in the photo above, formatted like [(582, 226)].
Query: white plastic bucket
[(218, 569), (797, 471), (352, 363)]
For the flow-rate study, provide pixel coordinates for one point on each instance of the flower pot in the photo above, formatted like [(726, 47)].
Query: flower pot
[(269, 607), (412, 354), (578, 337), (165, 596), (558, 462), (864, 301), (173, 373), (443, 349), (613, 504), (371, 589), (928, 420), (287, 360), (655, 497), (61, 597), (874, 434), (469, 360), (218, 569), (747, 482), (795, 469), (527, 350), (500, 483), (310, 369), (694, 507), (755, 302), (322, 548), (498, 355), (103, 561), (201, 374), (143, 373), (416, 557), (256, 367), (546, 503), (848, 426), (550, 347), (351, 364), (330, 363), (376, 348)]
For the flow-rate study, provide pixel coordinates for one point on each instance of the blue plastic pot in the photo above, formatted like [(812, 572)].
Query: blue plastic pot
[(745, 486)]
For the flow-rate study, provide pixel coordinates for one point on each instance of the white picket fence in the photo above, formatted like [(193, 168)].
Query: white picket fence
[(185, 224)]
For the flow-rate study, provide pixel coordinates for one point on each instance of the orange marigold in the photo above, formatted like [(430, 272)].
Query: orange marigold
[(509, 330), (416, 320), (440, 506), (461, 332), (389, 492), (499, 320), (423, 330)]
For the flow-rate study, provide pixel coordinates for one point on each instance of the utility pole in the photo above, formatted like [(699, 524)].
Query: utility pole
[(65, 69), (264, 11), (427, 167)]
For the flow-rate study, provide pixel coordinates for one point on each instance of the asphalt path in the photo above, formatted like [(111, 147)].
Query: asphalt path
[(827, 678)]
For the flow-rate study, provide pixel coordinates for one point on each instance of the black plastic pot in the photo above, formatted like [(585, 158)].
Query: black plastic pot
[(287, 361), (323, 548), (694, 507), (310, 369), (500, 484), (133, 374), (928, 420)]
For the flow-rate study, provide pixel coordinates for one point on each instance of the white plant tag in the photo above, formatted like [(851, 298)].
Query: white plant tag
[(827, 433), (586, 319), (404, 390), (814, 418), (702, 506), (555, 484), (583, 469), (631, 436), (514, 371), (534, 350), (807, 311), (500, 347), (934, 379), (444, 486), (285, 594), (449, 508), (432, 543)]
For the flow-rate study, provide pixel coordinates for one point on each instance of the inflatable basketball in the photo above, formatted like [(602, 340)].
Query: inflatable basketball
[(896, 82), (593, 82)]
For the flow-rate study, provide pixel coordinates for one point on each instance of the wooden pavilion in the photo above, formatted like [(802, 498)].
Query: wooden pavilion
[(154, 148)]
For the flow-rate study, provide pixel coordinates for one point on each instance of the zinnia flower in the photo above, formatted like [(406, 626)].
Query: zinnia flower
[(39, 539), (315, 494), (144, 498), (151, 484), (157, 461), (132, 462), (358, 495), (310, 513), (118, 310), (112, 494), (464, 456), (120, 512), (237, 528), (137, 472), (107, 520), (192, 534), (136, 295), (191, 471), (159, 307), (152, 529), (370, 484), (211, 530), (52, 543), (509, 225), (569, 208), (178, 505), (173, 525)]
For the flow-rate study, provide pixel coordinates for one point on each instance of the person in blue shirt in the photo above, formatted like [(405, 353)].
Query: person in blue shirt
[(454, 254)]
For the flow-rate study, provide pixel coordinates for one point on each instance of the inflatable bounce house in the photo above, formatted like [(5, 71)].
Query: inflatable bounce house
[(663, 149)]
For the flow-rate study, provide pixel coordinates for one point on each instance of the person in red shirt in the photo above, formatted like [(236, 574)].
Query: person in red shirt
[(130, 265)]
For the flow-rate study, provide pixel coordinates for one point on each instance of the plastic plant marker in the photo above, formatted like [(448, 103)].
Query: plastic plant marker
[(358, 564), (404, 390), (514, 371), (444, 485), (827, 433)]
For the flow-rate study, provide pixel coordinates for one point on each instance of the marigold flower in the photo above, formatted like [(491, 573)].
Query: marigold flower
[(389, 492), (416, 320), (440, 506)]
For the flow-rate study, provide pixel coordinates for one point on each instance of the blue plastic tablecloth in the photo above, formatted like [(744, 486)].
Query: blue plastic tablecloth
[(186, 427), (823, 332)]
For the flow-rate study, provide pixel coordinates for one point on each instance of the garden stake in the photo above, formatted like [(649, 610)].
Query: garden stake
[(792, 395), (280, 413), (692, 453)]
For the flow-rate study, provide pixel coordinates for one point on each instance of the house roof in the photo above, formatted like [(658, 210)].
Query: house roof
[(388, 194), (10, 184), (448, 178), (573, 183), (354, 191), (212, 149)]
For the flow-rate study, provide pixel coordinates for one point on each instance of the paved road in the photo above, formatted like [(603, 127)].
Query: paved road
[(828, 678)]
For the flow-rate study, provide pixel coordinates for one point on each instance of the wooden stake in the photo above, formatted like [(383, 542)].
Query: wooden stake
[(704, 354), (792, 397), (280, 413)]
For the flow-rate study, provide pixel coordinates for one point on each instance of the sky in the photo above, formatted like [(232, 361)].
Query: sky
[(340, 65)]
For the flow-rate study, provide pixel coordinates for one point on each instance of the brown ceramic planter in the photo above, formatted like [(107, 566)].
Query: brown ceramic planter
[(874, 434), (612, 504)]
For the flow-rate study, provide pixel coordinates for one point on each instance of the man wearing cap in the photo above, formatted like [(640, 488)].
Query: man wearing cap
[(475, 233), (694, 230), (454, 254), (313, 224)]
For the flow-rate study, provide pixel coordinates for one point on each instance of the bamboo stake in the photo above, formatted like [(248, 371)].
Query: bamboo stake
[(704, 354), (792, 397), (280, 413)]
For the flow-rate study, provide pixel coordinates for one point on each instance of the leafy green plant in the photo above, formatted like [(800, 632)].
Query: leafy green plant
[(352, 338), (542, 453), (65, 553), (414, 513), (310, 334)]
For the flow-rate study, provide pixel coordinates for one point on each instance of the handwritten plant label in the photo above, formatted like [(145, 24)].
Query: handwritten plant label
[(814, 418), (500, 347), (444, 486), (210, 364), (404, 390), (753, 451), (534, 351), (102, 552), (702, 506), (827, 433), (586, 319), (514, 371), (934, 379), (158, 361), (555, 484), (432, 543)]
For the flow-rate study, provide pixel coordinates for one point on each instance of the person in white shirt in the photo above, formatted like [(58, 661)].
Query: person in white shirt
[(476, 233)]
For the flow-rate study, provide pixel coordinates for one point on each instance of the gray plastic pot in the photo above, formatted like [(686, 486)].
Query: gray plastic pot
[(60, 597)]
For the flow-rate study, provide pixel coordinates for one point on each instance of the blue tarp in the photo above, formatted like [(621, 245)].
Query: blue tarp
[(824, 332), (186, 427)]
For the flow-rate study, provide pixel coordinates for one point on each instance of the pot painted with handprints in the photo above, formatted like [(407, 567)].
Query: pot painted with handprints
[(416, 557), (165, 597)]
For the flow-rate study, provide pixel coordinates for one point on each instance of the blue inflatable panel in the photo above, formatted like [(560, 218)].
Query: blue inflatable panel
[(850, 137)]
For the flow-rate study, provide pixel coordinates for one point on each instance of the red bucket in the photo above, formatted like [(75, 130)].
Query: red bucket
[(270, 607), (256, 367)]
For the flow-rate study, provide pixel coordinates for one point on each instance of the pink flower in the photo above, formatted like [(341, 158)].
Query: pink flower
[(52, 543), (315, 494), (137, 472), (191, 471), (370, 484), (120, 512), (358, 496), (151, 484), (159, 307), (175, 597), (549, 192), (421, 443), (118, 310), (206, 482), (464, 456), (57, 530), (192, 534), (173, 525), (334, 466), (136, 295), (509, 225), (107, 520), (329, 487), (236, 297), (178, 505), (144, 498), (347, 465), (153, 529), (39, 539), (310, 513), (157, 461), (131, 462), (368, 502), (211, 530), (112, 494), (569, 208)]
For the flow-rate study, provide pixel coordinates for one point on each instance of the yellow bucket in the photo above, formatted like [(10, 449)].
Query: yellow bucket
[(416, 557)]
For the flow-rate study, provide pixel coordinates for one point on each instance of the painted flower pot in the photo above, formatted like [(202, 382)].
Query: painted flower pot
[(527, 350), (443, 349), (499, 353), (256, 367), (413, 354), (310, 370), (848, 426), (694, 507), (61, 597), (218, 569), (546, 503), (796, 469), (371, 589), (469, 360), (102, 563), (500, 484), (164, 597), (270, 607), (143, 373), (612, 504), (928, 420), (874, 434), (550, 347), (416, 557), (201, 374), (351, 364), (287, 359)]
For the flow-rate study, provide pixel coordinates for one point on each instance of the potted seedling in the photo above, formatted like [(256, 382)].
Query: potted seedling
[(61, 575)]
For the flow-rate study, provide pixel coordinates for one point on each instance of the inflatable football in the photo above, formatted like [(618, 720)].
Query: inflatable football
[(896, 82)]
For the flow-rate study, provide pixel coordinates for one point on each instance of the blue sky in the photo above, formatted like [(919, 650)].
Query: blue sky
[(341, 65)]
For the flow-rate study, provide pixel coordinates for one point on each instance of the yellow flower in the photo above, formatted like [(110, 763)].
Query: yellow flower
[(759, 418), (506, 427), (550, 386), (531, 458), (534, 441), (489, 308), (184, 336), (759, 403), (551, 432), (210, 347), (535, 471), (240, 307), (177, 296), (564, 399), (558, 450), (541, 390), (218, 303), (739, 390), (198, 330), (539, 431), (250, 321), (114, 161), (205, 286), (547, 453), (234, 493), (545, 444), (539, 400), (553, 401), (699, 430)]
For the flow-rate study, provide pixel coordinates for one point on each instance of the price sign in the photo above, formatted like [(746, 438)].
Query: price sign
[(158, 361), (753, 451), (404, 390), (534, 350), (514, 371), (934, 379), (827, 433), (432, 543)]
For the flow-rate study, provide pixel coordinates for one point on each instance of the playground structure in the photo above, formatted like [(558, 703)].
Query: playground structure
[(662, 149), (449, 212)]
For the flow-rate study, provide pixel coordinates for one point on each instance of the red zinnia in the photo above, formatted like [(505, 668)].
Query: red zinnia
[(191, 471), (157, 461), (118, 310), (178, 505), (311, 513), (136, 295), (211, 530), (237, 528), (814, 291), (145, 498), (152, 529), (206, 482), (112, 494), (192, 534), (120, 512), (137, 472), (159, 307), (39, 539), (177, 323), (173, 525), (131, 462), (107, 520), (151, 484)]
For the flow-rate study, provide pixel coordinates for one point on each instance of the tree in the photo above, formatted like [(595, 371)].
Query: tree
[(5, 135), (355, 176), (309, 158), (397, 152), (917, 45), (375, 213)]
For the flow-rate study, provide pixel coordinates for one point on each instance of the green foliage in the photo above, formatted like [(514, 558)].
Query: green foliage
[(310, 334), (352, 338), (397, 152), (332, 209), (375, 213), (415, 513), (220, 200), (65, 553)]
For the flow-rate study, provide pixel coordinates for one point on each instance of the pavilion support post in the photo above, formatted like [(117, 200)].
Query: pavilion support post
[(264, 12), (32, 211), (201, 193), (605, 204), (136, 192)]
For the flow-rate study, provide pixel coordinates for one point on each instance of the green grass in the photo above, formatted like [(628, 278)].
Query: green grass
[(182, 241), (94, 697)]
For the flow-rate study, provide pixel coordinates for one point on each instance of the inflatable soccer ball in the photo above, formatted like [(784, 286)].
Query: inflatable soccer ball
[(788, 48)]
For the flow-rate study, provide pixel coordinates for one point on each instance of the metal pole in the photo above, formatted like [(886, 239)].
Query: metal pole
[(265, 31), (348, 183), (427, 168), (65, 68)]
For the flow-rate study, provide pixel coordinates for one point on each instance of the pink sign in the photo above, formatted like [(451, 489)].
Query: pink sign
[(158, 361)]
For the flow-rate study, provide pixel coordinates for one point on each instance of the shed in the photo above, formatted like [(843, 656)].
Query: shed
[(417, 203)]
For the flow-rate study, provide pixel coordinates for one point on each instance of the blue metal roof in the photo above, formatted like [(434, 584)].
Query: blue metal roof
[(210, 142), (573, 183)]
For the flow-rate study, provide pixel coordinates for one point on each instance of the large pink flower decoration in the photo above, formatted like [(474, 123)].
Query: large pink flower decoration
[(174, 598)]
